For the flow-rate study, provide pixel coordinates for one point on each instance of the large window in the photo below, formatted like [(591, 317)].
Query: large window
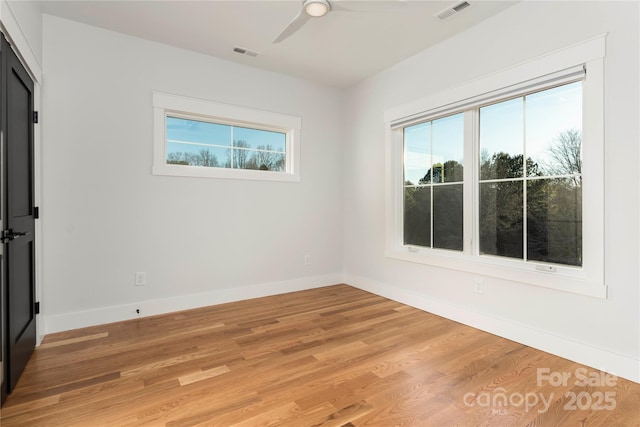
[(503, 176), (206, 139)]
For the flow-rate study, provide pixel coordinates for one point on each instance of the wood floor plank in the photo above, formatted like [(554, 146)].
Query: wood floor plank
[(68, 341), (328, 357), (203, 375)]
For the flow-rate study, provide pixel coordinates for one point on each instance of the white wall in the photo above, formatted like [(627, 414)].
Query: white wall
[(23, 20), (598, 332), (200, 241)]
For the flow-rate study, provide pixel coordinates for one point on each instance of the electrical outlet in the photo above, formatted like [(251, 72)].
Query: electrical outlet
[(140, 278), (478, 286), (307, 260)]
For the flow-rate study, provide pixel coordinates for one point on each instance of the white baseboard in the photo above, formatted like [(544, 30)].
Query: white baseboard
[(103, 315), (598, 358), (586, 354)]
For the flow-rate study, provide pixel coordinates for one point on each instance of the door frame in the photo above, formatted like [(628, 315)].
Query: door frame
[(3, 276)]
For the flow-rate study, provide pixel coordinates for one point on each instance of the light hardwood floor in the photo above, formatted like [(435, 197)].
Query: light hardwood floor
[(335, 356)]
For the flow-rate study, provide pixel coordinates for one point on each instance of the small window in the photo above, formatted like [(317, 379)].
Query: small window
[(205, 139), (200, 143)]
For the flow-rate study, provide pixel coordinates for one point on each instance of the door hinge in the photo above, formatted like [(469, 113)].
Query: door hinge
[(35, 117), (36, 212), (37, 308)]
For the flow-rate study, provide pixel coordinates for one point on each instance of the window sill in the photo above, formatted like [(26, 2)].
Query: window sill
[(222, 173), (564, 279)]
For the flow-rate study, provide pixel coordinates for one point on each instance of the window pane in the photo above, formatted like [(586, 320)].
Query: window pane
[(268, 160), (417, 216), (196, 143), (447, 217), (554, 221), (501, 140), (196, 156), (554, 130), (244, 158), (417, 153), (260, 139), (448, 149), (184, 131), (501, 218)]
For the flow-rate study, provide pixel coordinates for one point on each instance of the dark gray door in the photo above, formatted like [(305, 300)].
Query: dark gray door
[(17, 120)]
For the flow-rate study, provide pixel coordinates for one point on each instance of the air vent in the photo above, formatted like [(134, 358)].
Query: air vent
[(243, 51), (452, 10)]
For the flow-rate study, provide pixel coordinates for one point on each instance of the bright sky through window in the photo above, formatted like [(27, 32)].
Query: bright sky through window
[(200, 143)]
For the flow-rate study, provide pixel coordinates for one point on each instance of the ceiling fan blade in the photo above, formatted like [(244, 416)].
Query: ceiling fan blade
[(367, 5), (295, 24)]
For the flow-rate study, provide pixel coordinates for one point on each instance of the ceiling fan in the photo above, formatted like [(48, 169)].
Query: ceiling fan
[(318, 8)]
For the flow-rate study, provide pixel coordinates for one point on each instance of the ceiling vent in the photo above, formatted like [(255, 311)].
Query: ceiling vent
[(243, 51), (452, 10)]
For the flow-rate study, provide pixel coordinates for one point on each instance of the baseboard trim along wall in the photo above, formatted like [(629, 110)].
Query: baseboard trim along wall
[(595, 357), (598, 358), (104, 315)]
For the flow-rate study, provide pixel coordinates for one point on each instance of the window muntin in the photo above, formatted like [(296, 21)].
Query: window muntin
[(198, 138), (532, 210)]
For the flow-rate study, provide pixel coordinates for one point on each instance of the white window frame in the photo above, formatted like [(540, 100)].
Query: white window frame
[(558, 66), (197, 109)]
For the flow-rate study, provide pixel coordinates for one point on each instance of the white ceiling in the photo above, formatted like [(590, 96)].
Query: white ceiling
[(339, 49)]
